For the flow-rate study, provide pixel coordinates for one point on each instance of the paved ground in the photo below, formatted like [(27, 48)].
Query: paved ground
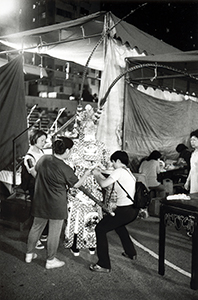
[(137, 280)]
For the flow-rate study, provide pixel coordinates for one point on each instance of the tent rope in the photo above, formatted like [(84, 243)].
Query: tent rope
[(104, 99)]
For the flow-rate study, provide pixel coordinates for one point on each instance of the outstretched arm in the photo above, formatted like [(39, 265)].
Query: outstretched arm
[(102, 181), (82, 179)]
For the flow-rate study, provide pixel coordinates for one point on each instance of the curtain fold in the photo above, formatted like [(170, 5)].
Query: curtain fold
[(13, 116), (154, 124)]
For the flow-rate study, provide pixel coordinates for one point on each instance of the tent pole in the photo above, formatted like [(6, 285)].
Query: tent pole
[(49, 44), (124, 142), (104, 99), (103, 37)]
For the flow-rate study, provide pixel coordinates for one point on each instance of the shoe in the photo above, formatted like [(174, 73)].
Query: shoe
[(39, 245), (43, 238), (75, 253), (92, 252), (134, 257), (54, 263), (29, 257), (97, 268)]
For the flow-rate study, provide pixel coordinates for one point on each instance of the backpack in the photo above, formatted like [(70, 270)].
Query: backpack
[(142, 196), (27, 180)]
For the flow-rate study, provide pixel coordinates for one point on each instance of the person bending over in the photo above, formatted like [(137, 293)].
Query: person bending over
[(125, 213), (151, 168), (53, 178)]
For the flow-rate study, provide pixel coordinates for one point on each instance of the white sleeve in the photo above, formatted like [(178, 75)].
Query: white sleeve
[(115, 175)]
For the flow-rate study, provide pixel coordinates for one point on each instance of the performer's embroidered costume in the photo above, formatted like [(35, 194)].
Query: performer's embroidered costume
[(87, 152)]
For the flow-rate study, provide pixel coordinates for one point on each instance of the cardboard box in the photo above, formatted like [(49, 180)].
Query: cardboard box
[(154, 207)]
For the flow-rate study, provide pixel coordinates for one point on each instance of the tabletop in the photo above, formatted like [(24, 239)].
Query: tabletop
[(191, 204)]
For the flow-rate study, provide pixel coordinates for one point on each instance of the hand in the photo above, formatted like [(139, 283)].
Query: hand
[(186, 185), (96, 172), (87, 172)]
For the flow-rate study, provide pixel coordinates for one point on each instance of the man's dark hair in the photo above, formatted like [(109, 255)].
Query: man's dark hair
[(121, 155)]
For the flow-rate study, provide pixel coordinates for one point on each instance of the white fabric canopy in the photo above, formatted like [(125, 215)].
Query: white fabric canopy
[(75, 40), (85, 38)]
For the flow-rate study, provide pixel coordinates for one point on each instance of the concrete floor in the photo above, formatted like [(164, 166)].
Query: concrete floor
[(137, 280)]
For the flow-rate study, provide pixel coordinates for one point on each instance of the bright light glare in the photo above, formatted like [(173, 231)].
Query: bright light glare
[(7, 7)]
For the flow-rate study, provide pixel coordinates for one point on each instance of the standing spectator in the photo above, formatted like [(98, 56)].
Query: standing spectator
[(125, 213), (35, 152), (184, 155), (53, 178), (192, 179)]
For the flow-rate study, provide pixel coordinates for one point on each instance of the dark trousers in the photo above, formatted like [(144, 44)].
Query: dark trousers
[(123, 216)]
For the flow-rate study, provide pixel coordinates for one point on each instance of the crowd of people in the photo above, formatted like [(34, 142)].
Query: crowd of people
[(53, 178)]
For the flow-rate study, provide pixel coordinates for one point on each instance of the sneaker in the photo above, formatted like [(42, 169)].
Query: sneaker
[(39, 245), (43, 238), (75, 253), (92, 252), (54, 263), (29, 257)]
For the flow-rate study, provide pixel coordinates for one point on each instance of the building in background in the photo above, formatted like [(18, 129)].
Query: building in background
[(35, 14), (63, 78)]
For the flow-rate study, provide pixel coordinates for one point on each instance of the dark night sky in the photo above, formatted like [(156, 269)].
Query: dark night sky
[(176, 23)]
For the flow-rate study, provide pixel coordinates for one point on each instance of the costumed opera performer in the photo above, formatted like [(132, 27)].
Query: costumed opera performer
[(83, 212), (53, 178)]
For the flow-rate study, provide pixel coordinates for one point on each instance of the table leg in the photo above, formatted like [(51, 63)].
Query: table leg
[(194, 264), (162, 234)]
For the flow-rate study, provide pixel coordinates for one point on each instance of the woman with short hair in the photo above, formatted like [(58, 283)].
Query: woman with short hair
[(125, 212), (53, 178)]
